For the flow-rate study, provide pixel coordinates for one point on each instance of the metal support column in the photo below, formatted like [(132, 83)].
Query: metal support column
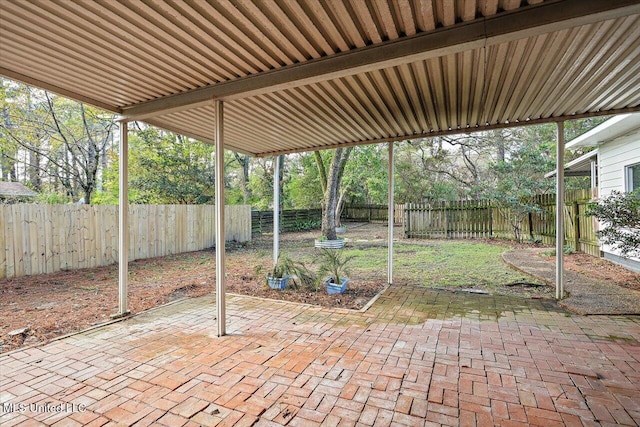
[(560, 212), (390, 214), (123, 222), (276, 209), (220, 237)]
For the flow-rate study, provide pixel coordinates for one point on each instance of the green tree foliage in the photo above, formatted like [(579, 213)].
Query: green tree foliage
[(427, 170), (365, 178), (518, 180), (261, 183), (303, 189), (620, 214), (166, 168)]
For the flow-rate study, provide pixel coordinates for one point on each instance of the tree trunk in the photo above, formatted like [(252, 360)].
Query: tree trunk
[(339, 207), (330, 184), (243, 161), (500, 146), (87, 196), (331, 196), (8, 152), (33, 170)]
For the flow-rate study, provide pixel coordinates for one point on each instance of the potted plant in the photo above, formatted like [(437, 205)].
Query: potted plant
[(333, 263), (287, 270), (278, 277), (341, 228)]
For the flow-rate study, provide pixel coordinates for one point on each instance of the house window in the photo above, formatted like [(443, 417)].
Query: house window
[(633, 177)]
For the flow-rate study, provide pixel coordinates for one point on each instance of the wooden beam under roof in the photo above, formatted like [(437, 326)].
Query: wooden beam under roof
[(524, 22)]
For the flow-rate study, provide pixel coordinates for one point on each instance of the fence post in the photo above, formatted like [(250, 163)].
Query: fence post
[(490, 209), (576, 226), (446, 219), (405, 220)]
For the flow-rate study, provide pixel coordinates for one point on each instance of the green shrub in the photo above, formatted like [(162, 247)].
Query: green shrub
[(566, 249), (304, 225), (620, 213)]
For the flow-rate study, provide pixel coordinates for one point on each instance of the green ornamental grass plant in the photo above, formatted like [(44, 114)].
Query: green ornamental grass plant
[(333, 262)]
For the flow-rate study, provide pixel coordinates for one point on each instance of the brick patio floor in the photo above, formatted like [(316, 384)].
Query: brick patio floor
[(416, 357)]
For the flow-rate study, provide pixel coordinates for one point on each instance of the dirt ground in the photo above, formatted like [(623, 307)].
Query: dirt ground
[(589, 265), (56, 304), (52, 305), (600, 269)]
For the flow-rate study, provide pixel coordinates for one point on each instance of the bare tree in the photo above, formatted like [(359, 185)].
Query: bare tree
[(7, 148), (65, 141)]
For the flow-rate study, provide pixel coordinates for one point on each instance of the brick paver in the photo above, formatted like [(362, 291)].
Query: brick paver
[(416, 357)]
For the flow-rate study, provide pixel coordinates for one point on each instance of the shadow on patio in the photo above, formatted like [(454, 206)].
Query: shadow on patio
[(416, 357)]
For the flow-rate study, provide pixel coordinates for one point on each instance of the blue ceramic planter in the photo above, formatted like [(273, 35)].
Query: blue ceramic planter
[(278, 282), (336, 288)]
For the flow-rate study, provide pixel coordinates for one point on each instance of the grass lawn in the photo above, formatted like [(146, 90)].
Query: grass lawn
[(451, 264), (441, 263)]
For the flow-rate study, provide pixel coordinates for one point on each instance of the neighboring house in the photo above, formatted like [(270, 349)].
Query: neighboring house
[(613, 165), (14, 191)]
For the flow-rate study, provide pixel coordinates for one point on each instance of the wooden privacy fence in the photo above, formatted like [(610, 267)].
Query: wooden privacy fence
[(464, 219), (290, 219), (47, 238), (480, 219), (580, 229), (295, 219), (372, 213)]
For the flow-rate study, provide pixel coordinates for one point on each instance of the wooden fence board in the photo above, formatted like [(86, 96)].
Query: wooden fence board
[(40, 239), (10, 249), (460, 219), (478, 219), (262, 221), (19, 239), (3, 251)]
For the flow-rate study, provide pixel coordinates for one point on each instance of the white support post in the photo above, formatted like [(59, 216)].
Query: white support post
[(276, 209), (560, 212), (220, 237), (123, 223), (391, 218)]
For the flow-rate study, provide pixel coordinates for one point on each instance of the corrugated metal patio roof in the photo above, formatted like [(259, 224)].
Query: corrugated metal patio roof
[(312, 74)]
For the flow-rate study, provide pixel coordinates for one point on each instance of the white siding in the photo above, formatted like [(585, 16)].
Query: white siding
[(613, 157)]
